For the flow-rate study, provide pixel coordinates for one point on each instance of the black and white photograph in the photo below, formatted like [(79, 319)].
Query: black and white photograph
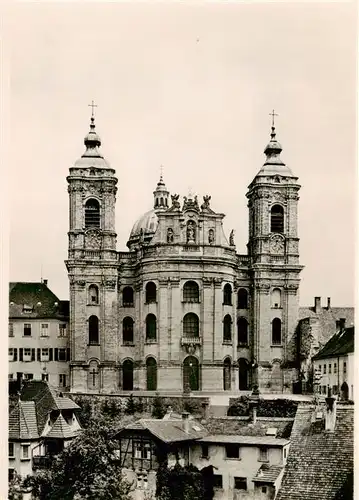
[(180, 197)]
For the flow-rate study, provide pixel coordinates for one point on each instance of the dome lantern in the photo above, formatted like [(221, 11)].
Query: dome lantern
[(160, 195)]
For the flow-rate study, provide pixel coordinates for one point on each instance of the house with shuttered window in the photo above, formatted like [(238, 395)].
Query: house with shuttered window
[(38, 334)]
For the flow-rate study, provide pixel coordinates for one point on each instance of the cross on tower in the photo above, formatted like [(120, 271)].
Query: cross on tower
[(161, 168), (92, 105), (273, 114)]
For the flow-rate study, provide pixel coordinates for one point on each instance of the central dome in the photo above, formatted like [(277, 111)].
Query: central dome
[(148, 224)]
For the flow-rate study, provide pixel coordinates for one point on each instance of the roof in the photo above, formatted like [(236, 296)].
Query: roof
[(340, 344), (232, 426), (147, 224), (267, 473), (23, 421), (61, 429), (245, 440), (320, 463), (39, 299), (168, 431), (46, 399)]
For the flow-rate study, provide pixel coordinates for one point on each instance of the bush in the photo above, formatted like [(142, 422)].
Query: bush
[(158, 407), (285, 408)]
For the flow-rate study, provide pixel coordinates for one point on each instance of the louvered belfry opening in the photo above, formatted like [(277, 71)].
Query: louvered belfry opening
[(92, 214)]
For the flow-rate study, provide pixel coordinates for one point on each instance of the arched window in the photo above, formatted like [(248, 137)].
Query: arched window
[(93, 294), (127, 297), (243, 374), (242, 331), (227, 328), (276, 331), (151, 327), (92, 213), (127, 330), (227, 295), (190, 292), (277, 219), (242, 299), (191, 325), (227, 375), (127, 375), (151, 292), (93, 331), (151, 374), (93, 378), (190, 374), (276, 298)]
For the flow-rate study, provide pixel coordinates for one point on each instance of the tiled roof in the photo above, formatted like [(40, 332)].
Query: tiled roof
[(61, 429), (23, 421), (246, 440), (340, 344), (169, 431), (267, 473), (320, 463), (233, 426), (39, 298)]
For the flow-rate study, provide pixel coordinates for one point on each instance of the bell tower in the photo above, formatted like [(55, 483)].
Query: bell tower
[(92, 267), (273, 246)]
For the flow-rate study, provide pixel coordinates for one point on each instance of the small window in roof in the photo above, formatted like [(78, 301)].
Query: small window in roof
[(271, 431), (196, 428)]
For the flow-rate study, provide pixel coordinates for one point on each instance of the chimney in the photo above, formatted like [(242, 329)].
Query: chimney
[(317, 304), (342, 324), (328, 303), (205, 411), (45, 282), (330, 412), (185, 421)]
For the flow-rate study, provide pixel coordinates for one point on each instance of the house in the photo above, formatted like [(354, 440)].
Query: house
[(320, 460), (38, 334), (317, 324), (334, 365), (42, 421), (247, 454)]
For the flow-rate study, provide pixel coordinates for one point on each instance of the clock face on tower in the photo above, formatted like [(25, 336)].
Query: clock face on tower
[(277, 245)]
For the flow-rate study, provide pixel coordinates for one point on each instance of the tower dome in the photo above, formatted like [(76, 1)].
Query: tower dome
[(274, 164), (92, 156)]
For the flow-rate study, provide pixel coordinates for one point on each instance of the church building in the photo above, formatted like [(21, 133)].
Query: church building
[(181, 310)]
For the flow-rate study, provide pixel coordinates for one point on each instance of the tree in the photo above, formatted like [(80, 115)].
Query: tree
[(158, 408), (84, 470), (180, 483), (15, 488)]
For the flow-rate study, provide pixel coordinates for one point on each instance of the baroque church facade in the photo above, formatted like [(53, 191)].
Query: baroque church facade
[(181, 310)]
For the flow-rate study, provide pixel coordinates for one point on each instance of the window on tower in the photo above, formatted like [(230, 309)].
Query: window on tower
[(127, 330), (92, 213), (242, 331), (242, 298), (191, 325), (276, 298), (277, 219), (227, 295), (227, 328), (190, 292), (151, 328), (151, 292), (93, 294), (276, 331), (93, 330), (127, 297)]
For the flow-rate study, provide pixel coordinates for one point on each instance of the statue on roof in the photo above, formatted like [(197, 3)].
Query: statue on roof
[(206, 200), (231, 238), (175, 202)]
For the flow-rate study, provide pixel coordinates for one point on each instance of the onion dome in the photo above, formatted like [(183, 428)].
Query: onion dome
[(274, 164), (92, 156), (161, 195)]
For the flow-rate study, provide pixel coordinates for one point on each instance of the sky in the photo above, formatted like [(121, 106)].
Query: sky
[(189, 87)]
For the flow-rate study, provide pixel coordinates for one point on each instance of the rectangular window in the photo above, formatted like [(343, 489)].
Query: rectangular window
[(335, 389), (11, 473), (285, 452), (27, 354), (11, 450), (142, 450), (324, 369), (324, 389), (204, 450), (44, 330), (28, 376), (217, 481), (62, 380), (10, 376), (27, 329), (330, 368), (320, 368), (45, 377), (344, 367), (264, 489), (11, 354), (45, 354), (232, 451), (62, 330), (62, 354), (11, 329), (263, 454), (25, 452), (240, 483), (335, 368)]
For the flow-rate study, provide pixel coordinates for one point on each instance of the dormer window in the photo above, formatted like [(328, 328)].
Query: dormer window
[(27, 309)]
